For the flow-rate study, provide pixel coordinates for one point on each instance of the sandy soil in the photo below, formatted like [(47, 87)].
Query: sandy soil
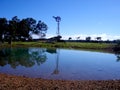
[(10, 82)]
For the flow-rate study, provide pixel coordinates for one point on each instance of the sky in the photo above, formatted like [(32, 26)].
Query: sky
[(79, 18)]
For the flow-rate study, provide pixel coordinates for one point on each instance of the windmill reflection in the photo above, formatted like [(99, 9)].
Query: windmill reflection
[(56, 71), (57, 53)]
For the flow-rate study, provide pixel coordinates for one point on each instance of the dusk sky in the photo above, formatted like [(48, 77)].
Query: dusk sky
[(79, 17)]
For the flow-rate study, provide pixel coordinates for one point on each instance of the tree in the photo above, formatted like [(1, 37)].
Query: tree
[(69, 38), (20, 29), (23, 30), (3, 27), (78, 37), (26, 27), (88, 38), (40, 29), (31, 23), (16, 29), (98, 38), (13, 28)]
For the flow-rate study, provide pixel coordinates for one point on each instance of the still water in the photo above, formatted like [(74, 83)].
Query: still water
[(59, 64)]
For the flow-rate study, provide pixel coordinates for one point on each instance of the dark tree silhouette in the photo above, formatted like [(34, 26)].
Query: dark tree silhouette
[(78, 38), (23, 30), (13, 28), (3, 27), (25, 27), (16, 29), (28, 26), (41, 29), (88, 38), (69, 38), (98, 38)]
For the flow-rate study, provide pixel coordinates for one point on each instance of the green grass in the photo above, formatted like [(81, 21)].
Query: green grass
[(73, 45), (90, 45)]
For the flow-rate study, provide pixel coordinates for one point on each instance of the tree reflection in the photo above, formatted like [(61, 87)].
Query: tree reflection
[(21, 56), (118, 56), (117, 53), (116, 50), (38, 55), (51, 50)]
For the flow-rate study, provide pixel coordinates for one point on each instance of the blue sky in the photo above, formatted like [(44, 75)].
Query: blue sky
[(79, 17)]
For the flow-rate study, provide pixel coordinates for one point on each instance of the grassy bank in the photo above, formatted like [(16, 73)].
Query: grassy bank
[(73, 45)]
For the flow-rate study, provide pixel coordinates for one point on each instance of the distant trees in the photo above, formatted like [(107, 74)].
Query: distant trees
[(78, 38), (56, 39), (88, 38), (16, 29), (70, 38), (98, 38)]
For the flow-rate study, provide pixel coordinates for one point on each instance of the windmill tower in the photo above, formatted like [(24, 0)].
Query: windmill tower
[(58, 19)]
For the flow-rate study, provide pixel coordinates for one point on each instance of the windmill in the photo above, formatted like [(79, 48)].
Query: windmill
[(58, 19)]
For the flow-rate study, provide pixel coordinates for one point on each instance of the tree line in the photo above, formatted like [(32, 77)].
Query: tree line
[(87, 38), (18, 30)]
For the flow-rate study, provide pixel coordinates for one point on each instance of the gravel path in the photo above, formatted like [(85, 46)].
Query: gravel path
[(10, 82)]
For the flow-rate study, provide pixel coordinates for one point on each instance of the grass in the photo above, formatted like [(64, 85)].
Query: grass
[(74, 45), (91, 45)]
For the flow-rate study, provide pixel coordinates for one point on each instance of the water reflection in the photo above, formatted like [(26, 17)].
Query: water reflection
[(22, 56), (51, 50), (37, 55), (27, 57), (57, 53), (59, 63), (56, 71), (117, 54)]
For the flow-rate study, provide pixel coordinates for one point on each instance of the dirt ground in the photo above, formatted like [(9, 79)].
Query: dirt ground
[(10, 82)]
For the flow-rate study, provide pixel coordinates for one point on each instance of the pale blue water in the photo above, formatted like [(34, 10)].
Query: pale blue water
[(59, 64)]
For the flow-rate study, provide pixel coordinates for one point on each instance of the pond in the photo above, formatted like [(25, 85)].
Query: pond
[(62, 64)]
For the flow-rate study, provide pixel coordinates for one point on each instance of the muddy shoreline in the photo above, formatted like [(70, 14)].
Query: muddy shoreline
[(12, 82)]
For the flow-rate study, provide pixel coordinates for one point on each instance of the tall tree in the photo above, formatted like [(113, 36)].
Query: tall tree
[(69, 38), (23, 29), (27, 26), (3, 27), (16, 29), (98, 38), (41, 29), (78, 38), (31, 23), (88, 38), (13, 28)]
